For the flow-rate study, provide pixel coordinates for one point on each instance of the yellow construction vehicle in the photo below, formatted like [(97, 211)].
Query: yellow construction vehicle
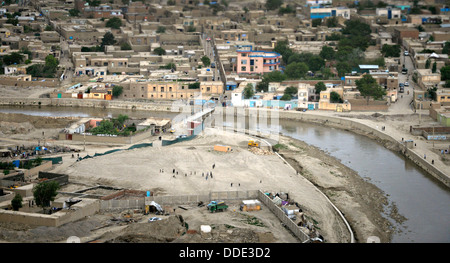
[(253, 143)]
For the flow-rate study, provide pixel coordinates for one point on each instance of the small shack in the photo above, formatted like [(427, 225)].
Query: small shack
[(222, 148), (250, 205)]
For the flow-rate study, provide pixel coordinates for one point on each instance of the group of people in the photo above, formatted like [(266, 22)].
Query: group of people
[(175, 173)]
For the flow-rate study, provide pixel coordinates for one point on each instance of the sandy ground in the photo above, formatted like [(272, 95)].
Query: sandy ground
[(24, 92), (360, 201), (237, 170)]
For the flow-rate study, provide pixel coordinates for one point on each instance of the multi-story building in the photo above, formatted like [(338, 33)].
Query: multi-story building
[(390, 13), (257, 62), (170, 90), (323, 12)]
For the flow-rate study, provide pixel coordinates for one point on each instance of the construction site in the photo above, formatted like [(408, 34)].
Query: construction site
[(108, 193)]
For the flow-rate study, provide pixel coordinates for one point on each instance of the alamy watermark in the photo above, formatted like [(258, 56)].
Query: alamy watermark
[(253, 121)]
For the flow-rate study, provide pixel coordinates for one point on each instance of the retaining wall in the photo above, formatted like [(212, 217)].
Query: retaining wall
[(46, 165), (90, 103), (346, 124), (276, 210)]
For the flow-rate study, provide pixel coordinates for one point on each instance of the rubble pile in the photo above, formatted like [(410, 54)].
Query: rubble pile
[(259, 151)]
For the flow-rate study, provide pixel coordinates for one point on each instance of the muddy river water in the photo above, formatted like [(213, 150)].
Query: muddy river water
[(420, 198)]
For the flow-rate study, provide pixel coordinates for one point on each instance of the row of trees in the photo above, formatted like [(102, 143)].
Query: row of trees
[(115, 126), (351, 44), (44, 193)]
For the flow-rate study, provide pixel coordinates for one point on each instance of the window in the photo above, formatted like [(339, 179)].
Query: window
[(244, 62), (243, 55), (170, 89), (154, 89), (162, 89), (208, 89), (243, 68), (252, 62)]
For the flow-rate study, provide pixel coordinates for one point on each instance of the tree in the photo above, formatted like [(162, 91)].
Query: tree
[(16, 202), (74, 12), (286, 97), (161, 30), (286, 10), (13, 21), (446, 48), (391, 50), (13, 58), (195, 85), (316, 22), (342, 68), (432, 93), (327, 53), (191, 29), (296, 70), (170, 65), (427, 64), (335, 97), (93, 2), (368, 87), (273, 4), (45, 192), (159, 51), (117, 91), (332, 22), (114, 22), (248, 91), (125, 46), (108, 39), (434, 68), (445, 73), (320, 86), (51, 61), (274, 76), (206, 61), (292, 91)]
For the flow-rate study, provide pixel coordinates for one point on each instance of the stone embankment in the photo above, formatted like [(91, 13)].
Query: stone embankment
[(353, 125)]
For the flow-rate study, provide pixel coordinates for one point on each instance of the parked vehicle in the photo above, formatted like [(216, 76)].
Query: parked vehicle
[(406, 84), (404, 71), (406, 53), (217, 206), (154, 219)]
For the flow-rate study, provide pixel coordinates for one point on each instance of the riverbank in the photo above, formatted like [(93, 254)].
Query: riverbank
[(266, 172), (393, 136), (361, 202)]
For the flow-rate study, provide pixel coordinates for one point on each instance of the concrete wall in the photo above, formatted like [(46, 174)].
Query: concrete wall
[(46, 165), (60, 178), (354, 126), (78, 211), (48, 83), (63, 102), (7, 196), (276, 210), (108, 139)]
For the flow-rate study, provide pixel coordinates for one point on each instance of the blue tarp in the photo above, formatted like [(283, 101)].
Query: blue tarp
[(16, 163)]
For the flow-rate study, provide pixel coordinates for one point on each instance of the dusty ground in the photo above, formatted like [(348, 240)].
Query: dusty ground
[(360, 201), (24, 92)]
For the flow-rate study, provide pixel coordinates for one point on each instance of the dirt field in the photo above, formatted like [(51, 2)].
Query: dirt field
[(24, 92), (140, 169)]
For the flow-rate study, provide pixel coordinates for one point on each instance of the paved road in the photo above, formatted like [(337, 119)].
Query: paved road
[(404, 102)]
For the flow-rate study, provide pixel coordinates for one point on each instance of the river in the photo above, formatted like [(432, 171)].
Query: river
[(419, 197)]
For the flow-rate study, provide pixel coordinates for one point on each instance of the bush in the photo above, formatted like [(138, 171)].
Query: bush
[(16, 202)]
